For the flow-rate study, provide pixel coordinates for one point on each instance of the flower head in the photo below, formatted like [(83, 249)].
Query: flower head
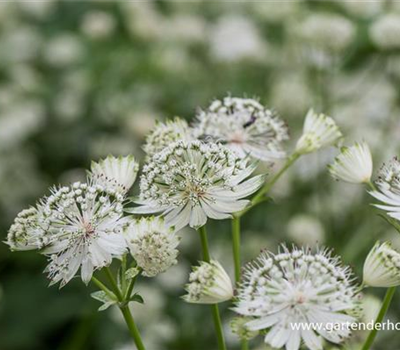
[(319, 131), (389, 188), (115, 174), (190, 182), (353, 164), (166, 133), (77, 226), (245, 126), (208, 284), (382, 266), (297, 287), (152, 245)]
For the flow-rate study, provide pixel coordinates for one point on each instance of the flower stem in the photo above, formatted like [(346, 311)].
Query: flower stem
[(385, 306), (258, 198), (214, 308), (126, 312), (236, 247)]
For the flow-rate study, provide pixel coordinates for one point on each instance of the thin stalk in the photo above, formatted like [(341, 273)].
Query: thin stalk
[(385, 306), (214, 308), (237, 260), (126, 312), (258, 198), (102, 286)]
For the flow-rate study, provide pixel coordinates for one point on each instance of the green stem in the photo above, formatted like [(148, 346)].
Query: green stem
[(132, 327), (236, 247), (259, 197), (214, 308), (102, 287), (123, 306), (131, 285), (385, 306)]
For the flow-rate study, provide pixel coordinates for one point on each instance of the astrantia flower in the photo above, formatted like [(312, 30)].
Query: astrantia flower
[(293, 288), (166, 133), (26, 233), (78, 226), (245, 126), (353, 164), (389, 188), (115, 174), (319, 131), (208, 284), (190, 182), (382, 266), (152, 245), (238, 327)]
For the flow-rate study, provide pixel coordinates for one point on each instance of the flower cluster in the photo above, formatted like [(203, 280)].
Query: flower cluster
[(297, 287), (152, 245), (190, 182), (382, 266), (209, 284), (245, 126), (319, 131), (166, 133)]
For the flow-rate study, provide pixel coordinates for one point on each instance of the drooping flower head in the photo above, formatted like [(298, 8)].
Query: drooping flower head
[(152, 245), (166, 133), (115, 174), (282, 291), (245, 126), (353, 164), (208, 284), (319, 131), (190, 182), (382, 266), (388, 190), (77, 226)]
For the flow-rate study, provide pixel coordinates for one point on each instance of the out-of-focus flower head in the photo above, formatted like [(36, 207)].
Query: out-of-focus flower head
[(385, 32), (190, 182), (245, 126)]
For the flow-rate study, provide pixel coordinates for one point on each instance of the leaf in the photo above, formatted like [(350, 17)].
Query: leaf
[(105, 298), (137, 298), (131, 273)]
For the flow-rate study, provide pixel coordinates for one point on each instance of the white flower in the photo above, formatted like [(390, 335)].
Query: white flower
[(385, 32), (152, 245), (245, 126), (166, 133), (238, 327), (190, 182), (98, 25), (353, 164), (208, 284), (389, 188), (305, 229), (77, 226), (319, 131), (382, 266), (115, 174), (293, 288)]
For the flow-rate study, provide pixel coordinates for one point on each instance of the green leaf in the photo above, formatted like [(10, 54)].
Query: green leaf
[(137, 298), (132, 273), (107, 299)]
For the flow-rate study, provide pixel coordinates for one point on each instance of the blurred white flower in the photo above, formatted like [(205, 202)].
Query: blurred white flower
[(306, 230), (370, 306), (353, 164), (98, 24), (364, 9), (63, 50), (273, 12), (115, 174), (243, 125), (235, 38), (327, 31), (152, 245), (239, 328), (190, 182), (319, 131), (166, 133), (382, 266), (208, 284), (385, 32), (78, 226), (185, 28), (297, 287), (37, 8)]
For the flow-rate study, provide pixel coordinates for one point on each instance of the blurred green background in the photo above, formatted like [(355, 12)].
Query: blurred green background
[(81, 80)]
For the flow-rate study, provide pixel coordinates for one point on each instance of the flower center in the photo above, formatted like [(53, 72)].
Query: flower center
[(89, 229), (299, 298), (237, 137)]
